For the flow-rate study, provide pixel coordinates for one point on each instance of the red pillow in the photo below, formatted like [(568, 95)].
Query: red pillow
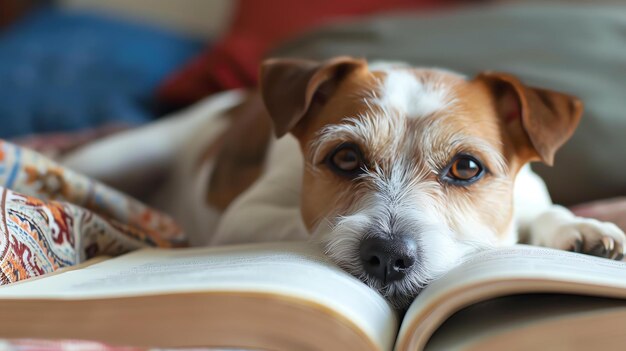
[(258, 26)]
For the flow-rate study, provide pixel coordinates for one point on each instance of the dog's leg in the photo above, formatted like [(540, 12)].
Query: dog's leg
[(134, 160), (543, 224)]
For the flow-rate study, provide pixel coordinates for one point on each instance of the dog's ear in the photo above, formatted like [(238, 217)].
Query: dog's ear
[(539, 121), (290, 86)]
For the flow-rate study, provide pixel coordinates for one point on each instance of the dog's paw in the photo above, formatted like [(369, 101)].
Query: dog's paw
[(592, 237)]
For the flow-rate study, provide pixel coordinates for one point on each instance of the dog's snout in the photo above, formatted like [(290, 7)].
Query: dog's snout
[(388, 259)]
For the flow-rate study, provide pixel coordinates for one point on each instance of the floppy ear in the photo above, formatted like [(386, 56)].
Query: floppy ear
[(539, 121), (289, 86)]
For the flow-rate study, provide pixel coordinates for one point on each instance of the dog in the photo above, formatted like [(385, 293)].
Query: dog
[(399, 172)]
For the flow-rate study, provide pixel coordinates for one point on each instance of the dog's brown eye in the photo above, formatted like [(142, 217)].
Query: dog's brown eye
[(464, 169), (346, 160)]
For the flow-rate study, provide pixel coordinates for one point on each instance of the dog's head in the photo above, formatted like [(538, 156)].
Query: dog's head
[(407, 170)]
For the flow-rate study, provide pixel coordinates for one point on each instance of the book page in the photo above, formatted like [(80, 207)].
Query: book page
[(297, 270), (516, 315), (506, 271)]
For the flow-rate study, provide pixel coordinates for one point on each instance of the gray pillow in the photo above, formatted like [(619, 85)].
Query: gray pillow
[(580, 50)]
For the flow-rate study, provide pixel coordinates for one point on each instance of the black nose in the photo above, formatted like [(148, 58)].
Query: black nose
[(388, 259)]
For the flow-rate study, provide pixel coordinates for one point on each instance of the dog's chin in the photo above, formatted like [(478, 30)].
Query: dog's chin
[(399, 301), (400, 294)]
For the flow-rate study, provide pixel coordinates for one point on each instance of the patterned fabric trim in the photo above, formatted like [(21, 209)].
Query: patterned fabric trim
[(53, 217)]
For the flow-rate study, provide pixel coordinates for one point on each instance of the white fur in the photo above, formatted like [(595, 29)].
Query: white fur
[(410, 94), (406, 94)]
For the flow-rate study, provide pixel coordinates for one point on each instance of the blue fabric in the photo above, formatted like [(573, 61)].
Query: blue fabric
[(63, 71)]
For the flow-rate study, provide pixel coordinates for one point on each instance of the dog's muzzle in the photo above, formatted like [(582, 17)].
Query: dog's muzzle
[(388, 259)]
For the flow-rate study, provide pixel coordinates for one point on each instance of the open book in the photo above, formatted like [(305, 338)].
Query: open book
[(289, 297)]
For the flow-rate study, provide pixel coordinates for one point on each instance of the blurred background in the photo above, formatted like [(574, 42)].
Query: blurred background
[(72, 71)]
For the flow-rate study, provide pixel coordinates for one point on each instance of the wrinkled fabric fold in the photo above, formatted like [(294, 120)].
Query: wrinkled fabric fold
[(52, 217)]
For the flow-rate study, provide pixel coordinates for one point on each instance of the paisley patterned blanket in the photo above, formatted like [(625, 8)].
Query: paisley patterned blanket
[(52, 217)]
